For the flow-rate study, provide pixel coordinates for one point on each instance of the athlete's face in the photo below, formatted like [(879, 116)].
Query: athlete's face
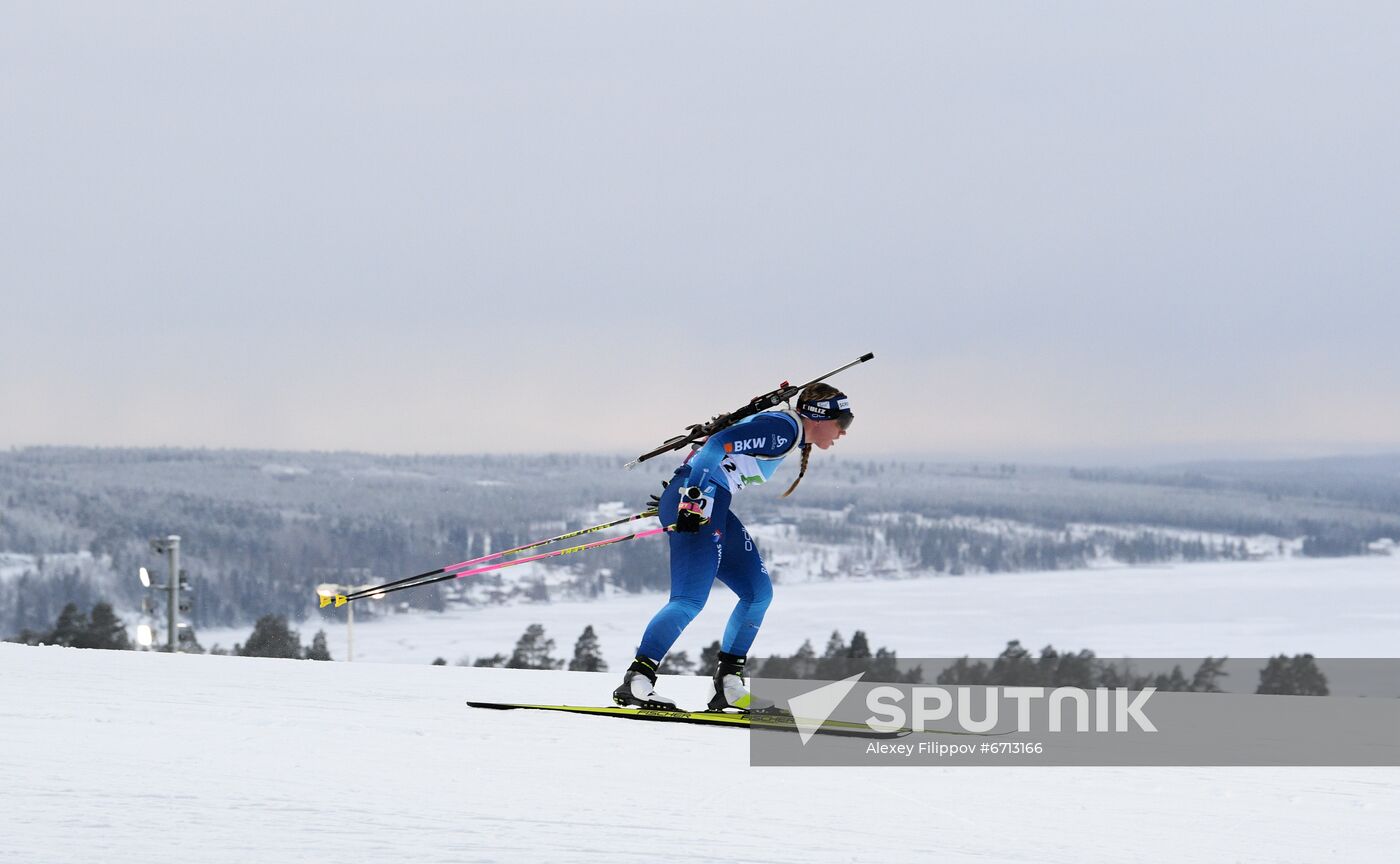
[(823, 433)]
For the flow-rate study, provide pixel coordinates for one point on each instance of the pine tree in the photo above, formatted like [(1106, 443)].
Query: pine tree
[(318, 649), (1174, 683), (709, 658), (71, 627), (1075, 670), (1014, 667), (1209, 670), (676, 663), (832, 665), (964, 671), (1112, 677), (1296, 676), (533, 651), (271, 637), (495, 661), (884, 666), (106, 630), (775, 667), (29, 637), (804, 662), (587, 656), (860, 646)]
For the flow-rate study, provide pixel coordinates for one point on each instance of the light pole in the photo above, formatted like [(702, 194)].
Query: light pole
[(334, 589), (172, 553), (169, 546), (349, 633), (144, 636)]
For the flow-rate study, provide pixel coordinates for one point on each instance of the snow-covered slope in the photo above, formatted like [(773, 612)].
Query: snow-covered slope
[(120, 756)]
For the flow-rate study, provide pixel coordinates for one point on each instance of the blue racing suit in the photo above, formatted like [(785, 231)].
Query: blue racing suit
[(745, 454)]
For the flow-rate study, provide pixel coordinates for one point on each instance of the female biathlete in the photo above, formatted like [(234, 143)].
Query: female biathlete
[(708, 541)]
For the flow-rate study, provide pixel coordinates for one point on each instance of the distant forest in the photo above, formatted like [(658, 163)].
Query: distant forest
[(260, 529)]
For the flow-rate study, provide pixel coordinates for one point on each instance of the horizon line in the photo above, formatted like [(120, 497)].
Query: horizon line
[(1044, 459)]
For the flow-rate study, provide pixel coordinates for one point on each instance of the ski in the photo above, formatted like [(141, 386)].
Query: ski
[(776, 722)]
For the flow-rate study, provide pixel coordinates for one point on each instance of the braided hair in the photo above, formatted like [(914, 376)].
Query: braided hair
[(806, 454), (813, 393)]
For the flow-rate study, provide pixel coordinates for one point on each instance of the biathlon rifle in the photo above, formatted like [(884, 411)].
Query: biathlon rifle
[(768, 400)]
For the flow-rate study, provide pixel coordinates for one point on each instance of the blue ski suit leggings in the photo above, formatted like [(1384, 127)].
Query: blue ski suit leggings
[(722, 549)]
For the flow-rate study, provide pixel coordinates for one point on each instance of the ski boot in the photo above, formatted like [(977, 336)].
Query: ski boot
[(638, 688), (732, 691)]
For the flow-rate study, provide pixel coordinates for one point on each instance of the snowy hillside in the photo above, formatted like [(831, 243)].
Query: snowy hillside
[(258, 527), (122, 756)]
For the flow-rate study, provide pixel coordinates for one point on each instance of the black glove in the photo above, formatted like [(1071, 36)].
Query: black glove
[(654, 502), (694, 510), (689, 522)]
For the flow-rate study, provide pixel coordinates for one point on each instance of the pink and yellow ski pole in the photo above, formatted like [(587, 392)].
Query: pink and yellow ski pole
[(456, 571)]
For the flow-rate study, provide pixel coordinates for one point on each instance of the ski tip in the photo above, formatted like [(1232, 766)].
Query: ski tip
[(341, 600), (325, 601)]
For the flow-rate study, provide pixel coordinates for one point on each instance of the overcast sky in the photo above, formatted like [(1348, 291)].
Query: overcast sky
[(1103, 230)]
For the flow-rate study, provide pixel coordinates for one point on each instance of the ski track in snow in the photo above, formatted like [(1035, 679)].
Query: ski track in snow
[(128, 756)]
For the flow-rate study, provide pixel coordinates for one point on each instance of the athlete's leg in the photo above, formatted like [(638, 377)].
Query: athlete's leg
[(743, 571), (695, 558)]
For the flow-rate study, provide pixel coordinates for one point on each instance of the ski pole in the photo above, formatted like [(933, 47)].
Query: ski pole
[(342, 599), (379, 589)]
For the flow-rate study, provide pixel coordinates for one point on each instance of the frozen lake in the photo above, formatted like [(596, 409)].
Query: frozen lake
[(1336, 607)]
